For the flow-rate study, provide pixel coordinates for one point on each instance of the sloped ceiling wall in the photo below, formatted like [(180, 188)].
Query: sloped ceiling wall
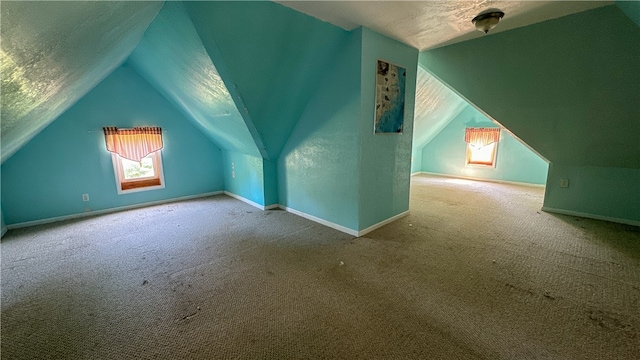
[(53, 53), (631, 9), (271, 56), (436, 106), (568, 87), (268, 61), (172, 58)]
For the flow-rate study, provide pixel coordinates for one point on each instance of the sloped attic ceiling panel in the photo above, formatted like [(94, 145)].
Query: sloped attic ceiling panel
[(271, 57), (568, 90), (53, 53), (436, 106), (172, 58)]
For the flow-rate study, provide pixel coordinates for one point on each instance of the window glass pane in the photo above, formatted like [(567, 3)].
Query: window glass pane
[(482, 155), (138, 170)]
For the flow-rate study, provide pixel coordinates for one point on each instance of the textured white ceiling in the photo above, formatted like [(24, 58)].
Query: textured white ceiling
[(430, 24)]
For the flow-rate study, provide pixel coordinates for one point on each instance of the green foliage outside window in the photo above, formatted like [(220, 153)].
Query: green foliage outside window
[(136, 170)]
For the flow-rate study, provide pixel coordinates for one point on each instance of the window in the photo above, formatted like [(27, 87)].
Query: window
[(482, 145), (143, 175), (136, 157)]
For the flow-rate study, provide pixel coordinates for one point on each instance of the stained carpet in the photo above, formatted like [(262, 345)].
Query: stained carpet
[(476, 271)]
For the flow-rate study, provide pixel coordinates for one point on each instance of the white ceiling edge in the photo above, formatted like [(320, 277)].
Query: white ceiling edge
[(430, 24), (548, 11)]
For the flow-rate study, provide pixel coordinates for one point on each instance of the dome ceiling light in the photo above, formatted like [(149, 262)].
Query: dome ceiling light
[(487, 20)]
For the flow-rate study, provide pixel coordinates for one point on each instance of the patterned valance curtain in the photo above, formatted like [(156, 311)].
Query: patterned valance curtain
[(480, 137), (133, 144)]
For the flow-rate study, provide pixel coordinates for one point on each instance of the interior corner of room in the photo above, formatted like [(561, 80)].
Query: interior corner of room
[(329, 111), (292, 145), (298, 136)]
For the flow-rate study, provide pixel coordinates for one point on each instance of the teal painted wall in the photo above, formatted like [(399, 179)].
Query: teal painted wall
[(631, 8), (270, 182), (272, 56), (569, 88), (251, 177), (333, 166), (385, 159), (436, 105), (446, 153), (613, 193), (3, 226), (172, 58), (244, 176), (47, 177), (416, 161), (318, 169)]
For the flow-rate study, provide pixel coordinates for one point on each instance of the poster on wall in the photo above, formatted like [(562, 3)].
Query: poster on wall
[(390, 80)]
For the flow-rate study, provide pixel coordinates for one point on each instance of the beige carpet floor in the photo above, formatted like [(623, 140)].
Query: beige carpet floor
[(476, 271)]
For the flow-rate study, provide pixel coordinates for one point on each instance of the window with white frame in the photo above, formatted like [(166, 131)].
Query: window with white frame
[(136, 156), (145, 174), (482, 146)]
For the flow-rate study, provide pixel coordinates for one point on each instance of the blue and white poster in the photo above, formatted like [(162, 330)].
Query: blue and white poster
[(390, 80)]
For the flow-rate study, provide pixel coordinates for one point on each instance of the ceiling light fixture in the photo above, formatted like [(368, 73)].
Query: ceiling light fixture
[(487, 20)]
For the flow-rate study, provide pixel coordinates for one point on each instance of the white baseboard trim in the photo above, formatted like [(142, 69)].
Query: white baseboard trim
[(481, 179), (110, 210), (591, 216), (343, 228), (382, 223), (4, 231), (320, 221), (252, 203)]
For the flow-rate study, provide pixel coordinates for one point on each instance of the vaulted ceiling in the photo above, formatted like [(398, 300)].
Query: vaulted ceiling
[(436, 106), (53, 53), (173, 59)]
